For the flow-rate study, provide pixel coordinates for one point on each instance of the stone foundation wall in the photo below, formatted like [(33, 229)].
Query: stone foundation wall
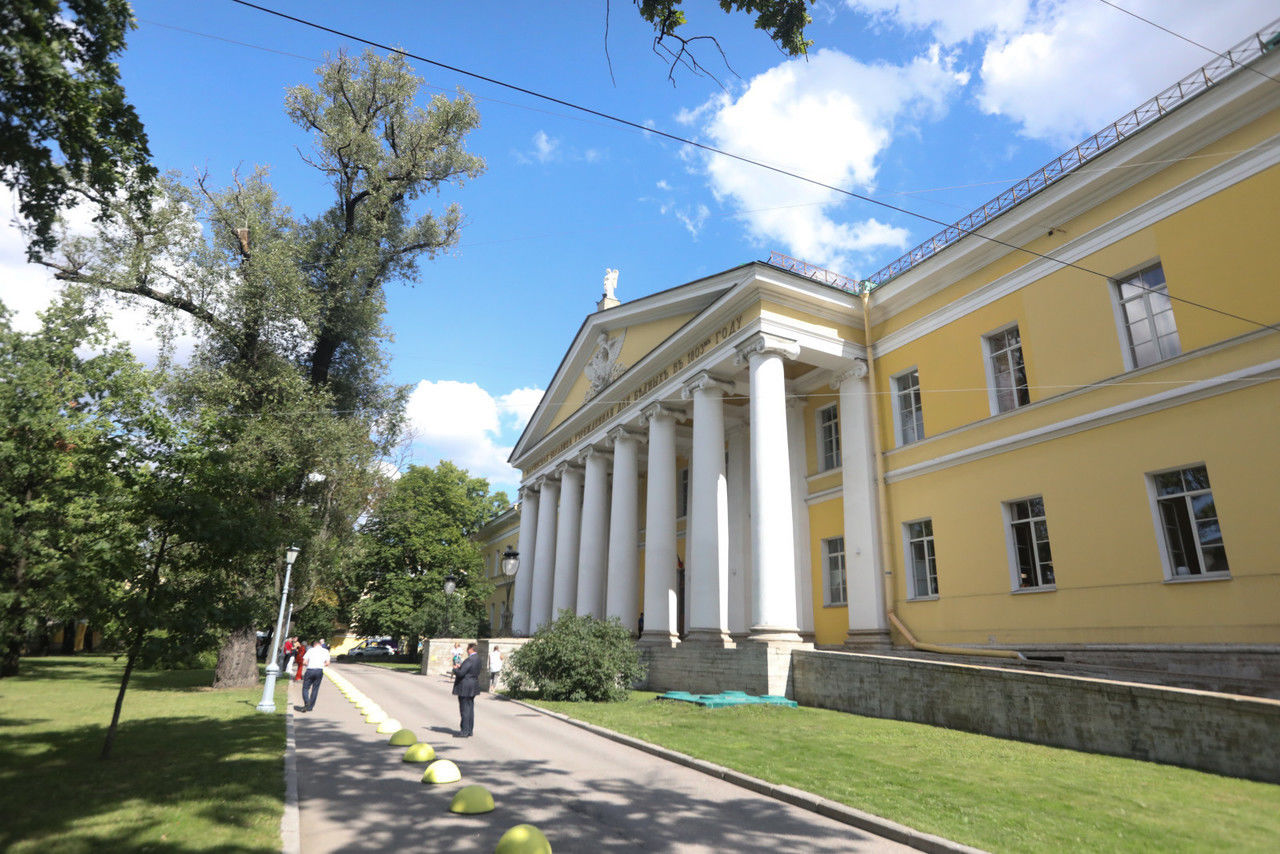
[(751, 666), (437, 656), (1222, 733)]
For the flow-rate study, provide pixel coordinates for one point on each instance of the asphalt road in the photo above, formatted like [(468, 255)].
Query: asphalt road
[(585, 792)]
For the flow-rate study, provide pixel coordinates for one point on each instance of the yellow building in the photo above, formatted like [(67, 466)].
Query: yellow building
[(1053, 426), (497, 538)]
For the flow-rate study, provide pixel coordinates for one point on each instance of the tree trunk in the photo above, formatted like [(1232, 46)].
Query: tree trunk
[(10, 658), (238, 660), (68, 637)]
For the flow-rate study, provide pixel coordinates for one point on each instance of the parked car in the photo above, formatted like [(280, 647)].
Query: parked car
[(372, 649)]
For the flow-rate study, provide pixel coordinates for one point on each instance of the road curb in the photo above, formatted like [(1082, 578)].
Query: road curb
[(290, 824), (796, 797)]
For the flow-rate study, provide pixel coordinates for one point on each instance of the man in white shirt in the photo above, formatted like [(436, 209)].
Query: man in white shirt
[(314, 662), (495, 667)]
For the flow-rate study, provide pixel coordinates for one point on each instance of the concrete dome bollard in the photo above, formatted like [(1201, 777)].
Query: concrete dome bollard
[(390, 725), (420, 752), (403, 738), (377, 716), (523, 839), (441, 771), (472, 799)]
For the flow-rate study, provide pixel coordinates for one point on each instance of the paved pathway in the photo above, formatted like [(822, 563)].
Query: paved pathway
[(585, 792)]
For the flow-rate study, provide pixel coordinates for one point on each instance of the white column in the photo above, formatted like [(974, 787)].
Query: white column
[(800, 516), (773, 569), (564, 592), (593, 549), (660, 528), (738, 477), (865, 591), (523, 592), (707, 541), (544, 555), (621, 599)]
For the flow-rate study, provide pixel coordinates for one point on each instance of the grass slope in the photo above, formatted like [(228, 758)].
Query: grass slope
[(192, 769), (988, 792)]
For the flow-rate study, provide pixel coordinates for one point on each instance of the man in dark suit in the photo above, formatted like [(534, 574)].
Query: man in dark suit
[(466, 684)]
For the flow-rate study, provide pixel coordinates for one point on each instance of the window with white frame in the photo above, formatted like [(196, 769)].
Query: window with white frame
[(1006, 371), (828, 419), (906, 404), (1188, 519), (1146, 316), (682, 495), (833, 561), (1029, 542), (923, 576)]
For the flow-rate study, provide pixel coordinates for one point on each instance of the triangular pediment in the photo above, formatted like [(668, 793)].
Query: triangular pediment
[(611, 342)]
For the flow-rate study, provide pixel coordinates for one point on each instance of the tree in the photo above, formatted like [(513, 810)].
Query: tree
[(69, 406), (290, 312), (783, 20), (421, 532), (66, 121)]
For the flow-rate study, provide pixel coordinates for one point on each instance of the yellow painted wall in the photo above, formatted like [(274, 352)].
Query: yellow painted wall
[(830, 622)]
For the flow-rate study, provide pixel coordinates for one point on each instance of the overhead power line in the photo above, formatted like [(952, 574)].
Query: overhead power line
[(721, 152)]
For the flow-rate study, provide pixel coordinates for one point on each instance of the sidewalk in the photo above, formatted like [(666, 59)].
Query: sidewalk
[(586, 792)]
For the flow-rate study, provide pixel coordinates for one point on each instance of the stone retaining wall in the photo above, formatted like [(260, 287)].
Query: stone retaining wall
[(437, 655), (1222, 733), (751, 666)]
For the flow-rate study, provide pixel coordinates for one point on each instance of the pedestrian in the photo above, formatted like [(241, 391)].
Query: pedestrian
[(466, 684), (455, 657), (299, 651), (290, 662), (315, 661), (495, 666)]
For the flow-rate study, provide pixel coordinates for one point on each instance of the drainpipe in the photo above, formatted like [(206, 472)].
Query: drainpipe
[(882, 510)]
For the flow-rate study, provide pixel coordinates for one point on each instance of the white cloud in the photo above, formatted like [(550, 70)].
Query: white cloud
[(1082, 64), (829, 118), (27, 289), (1063, 69), (465, 424)]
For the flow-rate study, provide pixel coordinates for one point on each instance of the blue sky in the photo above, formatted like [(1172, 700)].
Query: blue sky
[(932, 106)]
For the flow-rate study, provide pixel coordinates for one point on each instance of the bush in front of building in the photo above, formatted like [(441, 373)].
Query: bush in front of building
[(576, 658)]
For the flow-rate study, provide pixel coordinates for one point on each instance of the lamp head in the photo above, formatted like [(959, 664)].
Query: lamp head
[(291, 554), (510, 562), (450, 585)]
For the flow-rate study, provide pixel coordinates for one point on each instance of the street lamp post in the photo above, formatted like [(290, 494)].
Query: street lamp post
[(510, 566), (450, 587), (268, 702)]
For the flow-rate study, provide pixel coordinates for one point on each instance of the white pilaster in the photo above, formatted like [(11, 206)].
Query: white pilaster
[(773, 612), (593, 548), (800, 516), (660, 528), (867, 621), (738, 477), (707, 541), (521, 596), (621, 599), (564, 592), (544, 555)]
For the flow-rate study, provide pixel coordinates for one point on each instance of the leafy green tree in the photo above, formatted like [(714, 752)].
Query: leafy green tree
[(577, 658), (783, 20), (70, 406), (66, 121), (289, 312), (421, 532)]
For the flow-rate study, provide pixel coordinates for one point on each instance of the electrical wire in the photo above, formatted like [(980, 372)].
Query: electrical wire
[(740, 158)]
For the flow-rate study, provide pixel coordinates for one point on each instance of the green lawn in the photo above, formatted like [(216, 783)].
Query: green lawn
[(988, 792), (192, 769)]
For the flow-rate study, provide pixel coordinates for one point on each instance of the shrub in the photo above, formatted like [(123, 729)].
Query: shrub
[(576, 659)]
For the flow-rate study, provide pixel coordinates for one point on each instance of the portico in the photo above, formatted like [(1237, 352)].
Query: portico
[(663, 471)]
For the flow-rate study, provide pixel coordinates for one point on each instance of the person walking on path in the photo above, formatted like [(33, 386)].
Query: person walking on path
[(466, 684), (495, 666), (299, 652), (315, 661)]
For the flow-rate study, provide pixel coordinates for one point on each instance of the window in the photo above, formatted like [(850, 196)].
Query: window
[(906, 403), (833, 560), (828, 418), (924, 568), (1006, 372), (1146, 314), (1188, 518), (1029, 535), (682, 495)]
